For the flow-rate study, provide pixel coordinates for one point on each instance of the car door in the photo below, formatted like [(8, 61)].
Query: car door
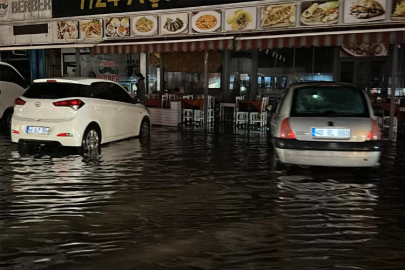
[(129, 114), (106, 109), (12, 86)]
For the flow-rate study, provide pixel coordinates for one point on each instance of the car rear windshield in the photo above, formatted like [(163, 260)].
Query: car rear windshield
[(329, 101), (56, 90)]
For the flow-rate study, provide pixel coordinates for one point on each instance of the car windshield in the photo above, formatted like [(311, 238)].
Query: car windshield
[(329, 101), (56, 90)]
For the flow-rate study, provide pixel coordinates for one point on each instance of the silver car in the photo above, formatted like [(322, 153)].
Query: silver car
[(326, 124)]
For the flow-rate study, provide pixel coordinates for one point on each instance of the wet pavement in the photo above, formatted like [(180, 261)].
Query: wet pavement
[(186, 200)]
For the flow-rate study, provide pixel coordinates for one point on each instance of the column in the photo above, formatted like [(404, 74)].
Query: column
[(206, 53), (225, 82), (253, 77), (393, 88), (78, 62)]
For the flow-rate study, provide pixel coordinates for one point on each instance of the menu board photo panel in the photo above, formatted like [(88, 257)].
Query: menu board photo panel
[(67, 30), (145, 25), (360, 11), (206, 21), (398, 10), (117, 27), (320, 12), (240, 19), (278, 15), (91, 28), (172, 24)]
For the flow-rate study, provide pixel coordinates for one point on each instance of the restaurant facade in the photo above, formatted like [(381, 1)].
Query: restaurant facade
[(224, 48)]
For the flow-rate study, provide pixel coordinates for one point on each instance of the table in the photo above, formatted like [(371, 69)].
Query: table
[(250, 106), (387, 107), (153, 102), (194, 104), (227, 105)]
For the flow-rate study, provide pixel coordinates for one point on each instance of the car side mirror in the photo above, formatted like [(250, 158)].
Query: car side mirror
[(135, 100)]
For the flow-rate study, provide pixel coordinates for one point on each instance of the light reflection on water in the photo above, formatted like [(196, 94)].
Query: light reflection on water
[(195, 201)]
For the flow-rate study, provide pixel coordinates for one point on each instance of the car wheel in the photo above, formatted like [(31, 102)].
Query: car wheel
[(6, 122), (145, 129), (91, 139)]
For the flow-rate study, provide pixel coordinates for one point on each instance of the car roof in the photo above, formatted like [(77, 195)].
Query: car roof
[(330, 84), (77, 80)]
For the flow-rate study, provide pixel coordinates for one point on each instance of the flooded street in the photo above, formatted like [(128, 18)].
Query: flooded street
[(194, 201)]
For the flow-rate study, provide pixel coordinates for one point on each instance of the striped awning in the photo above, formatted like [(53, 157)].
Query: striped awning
[(190, 45), (318, 39)]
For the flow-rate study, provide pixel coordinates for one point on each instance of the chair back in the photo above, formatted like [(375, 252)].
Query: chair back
[(239, 98), (211, 102), (188, 97), (172, 97), (265, 102), (165, 98)]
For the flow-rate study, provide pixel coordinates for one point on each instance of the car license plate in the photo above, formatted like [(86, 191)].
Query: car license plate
[(38, 130), (338, 133)]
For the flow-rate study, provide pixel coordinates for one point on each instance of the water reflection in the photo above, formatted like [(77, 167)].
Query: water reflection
[(188, 200)]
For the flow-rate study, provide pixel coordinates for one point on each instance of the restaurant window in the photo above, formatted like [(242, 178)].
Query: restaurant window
[(184, 73)]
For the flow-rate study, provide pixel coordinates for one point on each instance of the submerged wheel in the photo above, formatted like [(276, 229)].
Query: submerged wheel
[(91, 138), (6, 122), (145, 129)]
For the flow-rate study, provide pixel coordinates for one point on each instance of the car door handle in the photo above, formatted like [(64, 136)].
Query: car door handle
[(120, 109), (97, 108)]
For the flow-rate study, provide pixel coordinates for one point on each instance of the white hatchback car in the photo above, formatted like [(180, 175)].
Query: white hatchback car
[(326, 124), (77, 112), (12, 85)]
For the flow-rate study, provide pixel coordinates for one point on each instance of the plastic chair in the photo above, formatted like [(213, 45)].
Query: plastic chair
[(241, 117), (261, 117)]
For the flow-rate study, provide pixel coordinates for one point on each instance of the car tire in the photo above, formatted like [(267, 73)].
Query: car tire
[(144, 132), (6, 122), (91, 140)]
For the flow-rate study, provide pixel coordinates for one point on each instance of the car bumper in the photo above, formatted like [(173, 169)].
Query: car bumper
[(55, 128), (330, 154)]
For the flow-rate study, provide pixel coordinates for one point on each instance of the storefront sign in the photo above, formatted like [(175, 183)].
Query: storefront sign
[(66, 8), (108, 70), (19, 10), (192, 62)]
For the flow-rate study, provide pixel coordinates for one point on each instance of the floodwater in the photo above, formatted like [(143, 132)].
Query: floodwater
[(196, 201)]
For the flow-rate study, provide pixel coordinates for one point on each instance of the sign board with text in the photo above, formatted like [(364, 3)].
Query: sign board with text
[(68, 8), (22, 10)]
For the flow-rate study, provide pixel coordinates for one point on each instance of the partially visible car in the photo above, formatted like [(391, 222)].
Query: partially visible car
[(326, 124), (77, 112), (12, 85)]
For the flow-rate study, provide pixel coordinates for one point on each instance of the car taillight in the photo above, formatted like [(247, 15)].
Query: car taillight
[(374, 134), (20, 102), (75, 104), (285, 130)]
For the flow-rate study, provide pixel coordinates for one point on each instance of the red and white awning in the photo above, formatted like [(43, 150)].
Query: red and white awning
[(389, 36), (189, 45)]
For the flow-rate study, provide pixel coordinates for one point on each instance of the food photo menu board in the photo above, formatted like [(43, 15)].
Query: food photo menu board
[(360, 11), (278, 15), (319, 12), (145, 25), (398, 10), (172, 24), (117, 27), (240, 19), (266, 16), (206, 21)]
